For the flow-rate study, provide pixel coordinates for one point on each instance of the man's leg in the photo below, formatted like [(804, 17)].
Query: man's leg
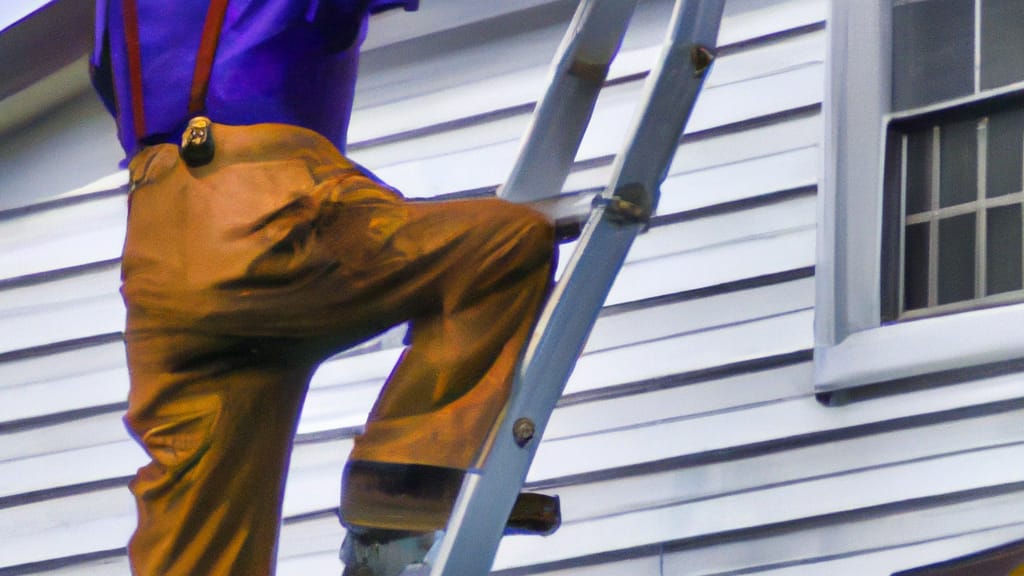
[(217, 416), (477, 272)]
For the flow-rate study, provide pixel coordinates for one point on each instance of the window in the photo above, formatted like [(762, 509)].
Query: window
[(921, 230), (954, 180), (954, 158)]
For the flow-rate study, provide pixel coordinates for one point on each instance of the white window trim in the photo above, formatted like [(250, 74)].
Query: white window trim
[(852, 347)]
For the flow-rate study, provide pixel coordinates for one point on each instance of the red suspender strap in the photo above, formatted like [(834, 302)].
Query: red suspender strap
[(204, 58), (131, 36)]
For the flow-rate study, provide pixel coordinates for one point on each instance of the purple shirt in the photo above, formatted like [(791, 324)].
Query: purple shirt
[(287, 61)]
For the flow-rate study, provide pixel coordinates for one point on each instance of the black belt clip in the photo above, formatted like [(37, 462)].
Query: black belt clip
[(197, 142)]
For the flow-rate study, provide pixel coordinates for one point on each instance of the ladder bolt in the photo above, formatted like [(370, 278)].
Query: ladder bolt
[(523, 429), (630, 204), (594, 72), (701, 57)]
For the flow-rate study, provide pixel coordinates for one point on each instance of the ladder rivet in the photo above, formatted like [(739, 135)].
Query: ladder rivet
[(523, 430), (701, 58)]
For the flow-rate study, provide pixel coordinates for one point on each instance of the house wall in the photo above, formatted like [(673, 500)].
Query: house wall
[(689, 439)]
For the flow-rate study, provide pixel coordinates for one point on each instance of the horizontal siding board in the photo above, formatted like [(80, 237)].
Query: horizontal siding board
[(845, 545), (66, 309), (485, 166), (62, 237), (786, 170), (85, 523), (610, 567), (756, 70), (734, 392), (787, 89), (888, 560), (61, 439), (759, 423), (489, 92), (310, 547), (748, 19), (724, 229), (106, 565), (784, 132), (788, 250), (651, 323), (787, 332), (389, 74), (784, 503), (908, 545), (587, 499), (476, 156), (730, 166), (315, 484), (72, 466), (397, 27), (63, 382)]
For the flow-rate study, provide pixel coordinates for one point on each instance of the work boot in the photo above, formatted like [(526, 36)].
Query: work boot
[(400, 497), (418, 498), (370, 552)]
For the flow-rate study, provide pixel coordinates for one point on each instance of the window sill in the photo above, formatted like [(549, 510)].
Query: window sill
[(924, 346)]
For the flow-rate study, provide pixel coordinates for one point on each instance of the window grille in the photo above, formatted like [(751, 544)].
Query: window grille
[(954, 158)]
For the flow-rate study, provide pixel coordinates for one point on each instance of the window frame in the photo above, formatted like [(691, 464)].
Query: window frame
[(852, 345)]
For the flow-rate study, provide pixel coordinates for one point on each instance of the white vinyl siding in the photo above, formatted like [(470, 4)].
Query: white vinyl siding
[(689, 440)]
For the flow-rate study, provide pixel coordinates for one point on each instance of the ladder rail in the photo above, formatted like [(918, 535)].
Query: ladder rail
[(575, 79), (477, 522)]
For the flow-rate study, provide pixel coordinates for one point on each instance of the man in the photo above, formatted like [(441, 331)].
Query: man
[(255, 250)]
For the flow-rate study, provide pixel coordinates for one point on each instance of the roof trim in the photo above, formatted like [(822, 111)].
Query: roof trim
[(43, 42)]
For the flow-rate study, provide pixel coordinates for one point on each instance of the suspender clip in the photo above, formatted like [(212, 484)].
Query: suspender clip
[(197, 142)]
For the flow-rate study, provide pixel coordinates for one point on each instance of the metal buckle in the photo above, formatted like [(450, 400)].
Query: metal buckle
[(197, 142)]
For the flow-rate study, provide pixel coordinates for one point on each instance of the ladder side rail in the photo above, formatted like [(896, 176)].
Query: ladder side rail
[(577, 74), (478, 519), (670, 96)]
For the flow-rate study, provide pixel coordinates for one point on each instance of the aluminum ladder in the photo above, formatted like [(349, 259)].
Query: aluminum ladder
[(618, 215)]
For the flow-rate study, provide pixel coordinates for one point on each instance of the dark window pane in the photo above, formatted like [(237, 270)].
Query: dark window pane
[(1005, 151), (919, 171), (933, 51), (1003, 245), (892, 227), (956, 259), (915, 265), (958, 161), (1002, 42)]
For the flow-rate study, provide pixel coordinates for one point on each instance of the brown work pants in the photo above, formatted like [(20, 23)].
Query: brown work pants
[(242, 275)]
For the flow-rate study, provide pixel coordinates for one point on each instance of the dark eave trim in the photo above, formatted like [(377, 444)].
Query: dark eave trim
[(43, 42)]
